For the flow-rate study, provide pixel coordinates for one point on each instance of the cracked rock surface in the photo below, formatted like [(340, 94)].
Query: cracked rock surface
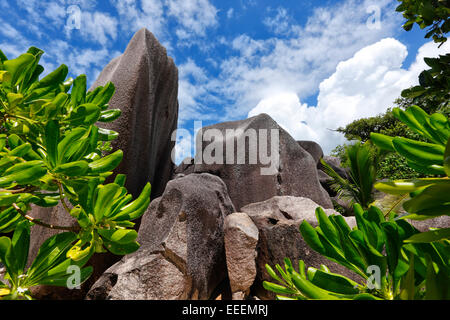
[(182, 238)]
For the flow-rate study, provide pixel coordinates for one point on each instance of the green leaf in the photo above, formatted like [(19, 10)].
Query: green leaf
[(311, 237), (447, 159), (107, 135), (51, 253), (52, 140), (430, 236), (73, 169), (121, 249), (104, 95), (78, 94), (110, 115), (104, 200), (24, 173), (431, 201), (81, 250), (333, 282), (107, 163), (85, 114), (17, 66), (276, 288), (69, 139), (20, 244), (407, 283), (327, 227), (382, 141), (119, 236), (419, 152)]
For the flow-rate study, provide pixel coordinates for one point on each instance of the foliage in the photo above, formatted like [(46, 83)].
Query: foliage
[(433, 83), (358, 189), (429, 196), (52, 152), (406, 270), (431, 14)]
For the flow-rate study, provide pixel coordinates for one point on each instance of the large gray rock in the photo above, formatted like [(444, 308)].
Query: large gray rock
[(313, 149), (146, 81), (182, 238), (289, 169), (278, 221), (241, 238)]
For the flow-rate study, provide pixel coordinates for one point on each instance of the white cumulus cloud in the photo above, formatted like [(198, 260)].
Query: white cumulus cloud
[(362, 86)]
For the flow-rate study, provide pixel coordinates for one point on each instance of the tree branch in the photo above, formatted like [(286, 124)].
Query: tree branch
[(43, 224)]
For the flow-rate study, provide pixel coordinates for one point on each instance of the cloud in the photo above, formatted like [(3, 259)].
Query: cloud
[(362, 86), (261, 68), (98, 26), (193, 16), (281, 23)]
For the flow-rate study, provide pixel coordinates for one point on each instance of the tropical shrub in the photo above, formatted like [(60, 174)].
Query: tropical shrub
[(362, 174), (52, 152), (378, 250), (430, 197)]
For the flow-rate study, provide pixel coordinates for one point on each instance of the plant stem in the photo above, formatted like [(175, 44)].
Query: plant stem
[(395, 205), (61, 196), (40, 223)]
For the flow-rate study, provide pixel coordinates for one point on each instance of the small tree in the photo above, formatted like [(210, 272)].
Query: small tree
[(51, 152)]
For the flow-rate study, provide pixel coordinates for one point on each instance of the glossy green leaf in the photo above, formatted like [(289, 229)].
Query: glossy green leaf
[(447, 159), (110, 115), (122, 249), (78, 94), (85, 114), (73, 169), (419, 152), (333, 282), (107, 163), (16, 66), (430, 236), (52, 140), (20, 244), (382, 141)]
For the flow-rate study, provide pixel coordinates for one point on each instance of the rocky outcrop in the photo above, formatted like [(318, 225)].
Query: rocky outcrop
[(241, 238), (183, 252), (313, 148), (258, 160), (278, 220), (146, 81)]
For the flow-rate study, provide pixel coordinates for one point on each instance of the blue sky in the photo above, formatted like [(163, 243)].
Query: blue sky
[(312, 65)]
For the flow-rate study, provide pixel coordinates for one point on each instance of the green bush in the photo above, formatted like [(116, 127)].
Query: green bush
[(406, 270), (52, 152)]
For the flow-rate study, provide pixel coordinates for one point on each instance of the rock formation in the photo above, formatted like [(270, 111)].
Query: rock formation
[(146, 82), (182, 241), (278, 220), (288, 170), (241, 238)]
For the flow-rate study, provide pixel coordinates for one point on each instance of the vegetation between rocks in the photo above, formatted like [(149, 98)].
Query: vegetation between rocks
[(53, 153)]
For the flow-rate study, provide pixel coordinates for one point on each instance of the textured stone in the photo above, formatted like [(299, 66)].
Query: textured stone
[(313, 148), (146, 81), (241, 238), (184, 228), (278, 220), (296, 174)]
